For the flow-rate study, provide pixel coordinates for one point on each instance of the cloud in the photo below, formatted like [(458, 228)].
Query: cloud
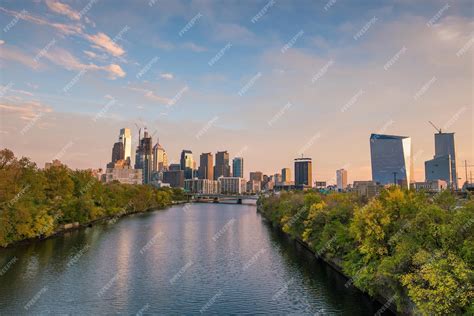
[(194, 47), (105, 43), (62, 57), (12, 53), (232, 31), (2, 42), (26, 110), (66, 29), (151, 95), (63, 9), (167, 76)]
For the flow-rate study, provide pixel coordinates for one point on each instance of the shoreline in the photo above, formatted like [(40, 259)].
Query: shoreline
[(102, 220), (379, 298)]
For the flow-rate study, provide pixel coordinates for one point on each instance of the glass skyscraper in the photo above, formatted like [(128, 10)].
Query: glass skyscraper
[(238, 167), (391, 159)]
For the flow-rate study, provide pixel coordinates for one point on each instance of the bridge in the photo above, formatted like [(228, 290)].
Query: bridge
[(221, 198)]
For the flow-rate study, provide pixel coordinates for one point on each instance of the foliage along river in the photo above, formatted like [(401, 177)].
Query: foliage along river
[(200, 258)]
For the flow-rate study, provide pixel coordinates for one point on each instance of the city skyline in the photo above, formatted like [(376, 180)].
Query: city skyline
[(163, 72)]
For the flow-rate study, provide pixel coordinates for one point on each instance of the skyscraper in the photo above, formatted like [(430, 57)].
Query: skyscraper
[(160, 158), (391, 159), (187, 163), (117, 152), (256, 176), (303, 172), (238, 167), (222, 167), (443, 164), (286, 175), (144, 156), (125, 138), (206, 166), (341, 176)]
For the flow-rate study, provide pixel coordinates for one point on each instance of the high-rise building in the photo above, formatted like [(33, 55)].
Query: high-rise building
[(187, 163), (222, 167), (256, 175), (160, 158), (175, 178), (341, 176), (277, 178), (238, 167), (117, 152), (303, 172), (391, 159), (286, 175), (125, 138), (144, 156), (443, 164), (206, 166)]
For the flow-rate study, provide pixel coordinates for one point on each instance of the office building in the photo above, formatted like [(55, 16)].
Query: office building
[(187, 163), (202, 186), (256, 175), (160, 158), (320, 184), (391, 159), (254, 186), (117, 152), (174, 167), (238, 167), (222, 167), (144, 156), (341, 178), (232, 185), (125, 138), (277, 178), (122, 172), (175, 178), (443, 164), (286, 175), (303, 172), (433, 186), (368, 189), (206, 166)]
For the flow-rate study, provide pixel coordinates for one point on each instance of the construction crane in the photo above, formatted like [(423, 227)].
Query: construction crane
[(435, 127)]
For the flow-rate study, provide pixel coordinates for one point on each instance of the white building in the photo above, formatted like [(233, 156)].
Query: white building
[(431, 186), (123, 174), (341, 176), (443, 164), (202, 186), (232, 185)]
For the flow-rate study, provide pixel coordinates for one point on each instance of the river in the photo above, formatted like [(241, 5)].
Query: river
[(193, 259)]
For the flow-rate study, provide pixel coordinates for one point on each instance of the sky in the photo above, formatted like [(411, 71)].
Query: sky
[(267, 80)]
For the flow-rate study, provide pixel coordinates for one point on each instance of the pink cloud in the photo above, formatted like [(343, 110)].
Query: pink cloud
[(104, 42), (63, 9)]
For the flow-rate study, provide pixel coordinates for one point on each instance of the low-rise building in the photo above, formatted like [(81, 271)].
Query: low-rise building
[(431, 186), (123, 173), (202, 186), (368, 189), (232, 185), (174, 177)]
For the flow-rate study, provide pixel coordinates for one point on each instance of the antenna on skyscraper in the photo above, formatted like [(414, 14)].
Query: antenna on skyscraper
[(139, 132), (435, 127)]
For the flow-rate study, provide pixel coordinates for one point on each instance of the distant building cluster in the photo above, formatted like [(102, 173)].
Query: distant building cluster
[(391, 164)]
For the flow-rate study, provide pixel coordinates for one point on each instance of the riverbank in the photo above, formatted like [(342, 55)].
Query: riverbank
[(67, 228), (387, 247)]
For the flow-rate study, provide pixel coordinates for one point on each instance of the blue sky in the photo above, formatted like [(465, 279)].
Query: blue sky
[(144, 66)]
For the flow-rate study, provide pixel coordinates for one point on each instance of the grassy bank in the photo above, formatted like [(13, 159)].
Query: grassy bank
[(416, 251), (37, 203)]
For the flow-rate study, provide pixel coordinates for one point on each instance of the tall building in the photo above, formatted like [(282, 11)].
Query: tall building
[(175, 178), (341, 176), (286, 175), (160, 158), (206, 166), (187, 163), (144, 156), (117, 152), (238, 167), (391, 159), (443, 164), (256, 175), (222, 167), (125, 138), (303, 172), (277, 178)]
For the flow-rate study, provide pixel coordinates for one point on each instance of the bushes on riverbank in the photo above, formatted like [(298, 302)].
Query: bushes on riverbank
[(414, 250), (35, 202)]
